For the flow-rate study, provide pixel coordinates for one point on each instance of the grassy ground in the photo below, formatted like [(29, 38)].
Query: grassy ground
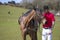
[(9, 28)]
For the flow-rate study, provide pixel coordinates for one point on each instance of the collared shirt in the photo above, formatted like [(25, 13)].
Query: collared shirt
[(49, 18)]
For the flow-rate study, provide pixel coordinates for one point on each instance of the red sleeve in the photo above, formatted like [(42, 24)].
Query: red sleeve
[(53, 18)]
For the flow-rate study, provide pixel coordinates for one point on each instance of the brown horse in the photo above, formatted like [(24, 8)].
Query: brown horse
[(29, 23)]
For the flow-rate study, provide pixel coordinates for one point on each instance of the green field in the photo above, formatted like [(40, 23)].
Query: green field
[(9, 28)]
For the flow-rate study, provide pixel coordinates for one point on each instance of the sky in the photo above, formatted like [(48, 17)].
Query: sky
[(17, 1)]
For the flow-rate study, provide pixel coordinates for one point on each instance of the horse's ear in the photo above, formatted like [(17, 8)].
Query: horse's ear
[(34, 8)]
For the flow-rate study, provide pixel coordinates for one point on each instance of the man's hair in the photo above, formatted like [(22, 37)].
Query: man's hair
[(46, 7)]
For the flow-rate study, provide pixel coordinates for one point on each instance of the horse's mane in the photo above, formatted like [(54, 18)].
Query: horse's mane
[(26, 13)]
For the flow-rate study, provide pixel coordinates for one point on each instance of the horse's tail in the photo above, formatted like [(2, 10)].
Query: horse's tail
[(19, 20)]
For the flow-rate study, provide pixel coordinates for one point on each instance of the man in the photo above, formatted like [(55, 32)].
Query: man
[(48, 24)]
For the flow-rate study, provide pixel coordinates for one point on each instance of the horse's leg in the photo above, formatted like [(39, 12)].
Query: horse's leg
[(23, 30), (33, 35), (24, 35)]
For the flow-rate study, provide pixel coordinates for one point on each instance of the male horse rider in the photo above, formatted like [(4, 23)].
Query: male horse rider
[(48, 24)]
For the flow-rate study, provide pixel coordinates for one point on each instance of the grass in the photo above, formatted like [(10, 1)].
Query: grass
[(9, 28)]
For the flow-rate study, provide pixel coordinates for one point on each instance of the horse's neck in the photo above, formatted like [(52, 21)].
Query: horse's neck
[(38, 18), (32, 23)]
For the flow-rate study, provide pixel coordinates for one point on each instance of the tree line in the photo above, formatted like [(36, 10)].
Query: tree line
[(53, 4)]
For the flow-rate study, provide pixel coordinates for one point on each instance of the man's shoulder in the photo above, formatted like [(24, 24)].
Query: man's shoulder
[(52, 13)]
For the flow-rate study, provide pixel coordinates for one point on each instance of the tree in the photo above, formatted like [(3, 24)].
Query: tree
[(1, 3), (11, 2), (5, 3)]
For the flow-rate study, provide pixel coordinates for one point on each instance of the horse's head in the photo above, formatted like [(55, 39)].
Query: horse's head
[(38, 15)]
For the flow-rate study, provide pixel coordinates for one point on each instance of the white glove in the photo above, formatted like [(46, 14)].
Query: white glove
[(44, 21)]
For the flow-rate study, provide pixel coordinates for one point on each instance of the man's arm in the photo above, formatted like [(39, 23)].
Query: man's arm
[(53, 21)]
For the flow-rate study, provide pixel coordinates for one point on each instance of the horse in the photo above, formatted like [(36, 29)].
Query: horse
[(29, 23)]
